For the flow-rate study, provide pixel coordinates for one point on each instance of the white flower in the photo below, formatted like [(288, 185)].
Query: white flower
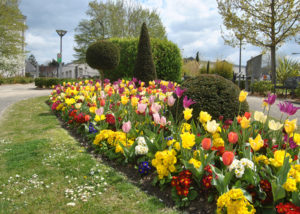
[(260, 117), (71, 204), (141, 150), (212, 126), (141, 141)]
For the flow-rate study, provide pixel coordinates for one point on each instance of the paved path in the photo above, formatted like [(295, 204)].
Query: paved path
[(255, 104), (10, 94)]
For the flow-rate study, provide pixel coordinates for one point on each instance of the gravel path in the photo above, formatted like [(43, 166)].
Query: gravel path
[(255, 104), (10, 94)]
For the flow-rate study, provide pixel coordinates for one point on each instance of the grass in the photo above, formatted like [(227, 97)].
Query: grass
[(44, 170)]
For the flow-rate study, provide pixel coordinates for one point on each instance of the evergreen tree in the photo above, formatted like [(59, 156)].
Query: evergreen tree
[(197, 57), (32, 60), (144, 68)]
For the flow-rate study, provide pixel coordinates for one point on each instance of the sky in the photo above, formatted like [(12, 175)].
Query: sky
[(194, 25)]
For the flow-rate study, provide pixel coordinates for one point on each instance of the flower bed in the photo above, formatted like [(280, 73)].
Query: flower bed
[(248, 164)]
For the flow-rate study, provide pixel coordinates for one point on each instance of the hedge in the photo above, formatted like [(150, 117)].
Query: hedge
[(44, 82), (166, 56)]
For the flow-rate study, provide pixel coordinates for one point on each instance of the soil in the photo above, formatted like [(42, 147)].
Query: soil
[(198, 206)]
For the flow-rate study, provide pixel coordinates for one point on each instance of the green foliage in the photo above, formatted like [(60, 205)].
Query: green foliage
[(223, 69), (115, 19), (103, 55), (222, 98), (262, 87), (191, 68), (166, 56), (11, 28), (15, 80), (144, 68), (287, 68), (49, 82), (32, 60)]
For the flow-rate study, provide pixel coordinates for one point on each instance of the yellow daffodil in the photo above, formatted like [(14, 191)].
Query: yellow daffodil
[(243, 96)]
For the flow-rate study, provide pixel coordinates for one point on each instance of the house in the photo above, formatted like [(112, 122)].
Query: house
[(30, 70), (73, 70)]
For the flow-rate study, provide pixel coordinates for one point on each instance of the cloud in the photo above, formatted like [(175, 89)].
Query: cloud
[(194, 25)]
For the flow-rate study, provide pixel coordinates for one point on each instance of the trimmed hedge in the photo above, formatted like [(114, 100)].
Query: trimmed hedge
[(15, 80), (262, 87), (166, 57), (44, 82), (215, 95)]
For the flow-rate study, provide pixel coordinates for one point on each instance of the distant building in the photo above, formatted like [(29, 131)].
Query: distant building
[(47, 71), (30, 70), (73, 70), (236, 71)]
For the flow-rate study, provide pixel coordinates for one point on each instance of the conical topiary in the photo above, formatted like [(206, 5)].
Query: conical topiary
[(144, 68)]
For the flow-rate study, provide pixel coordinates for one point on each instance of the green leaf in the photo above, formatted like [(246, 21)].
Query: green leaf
[(296, 198), (192, 195), (282, 173)]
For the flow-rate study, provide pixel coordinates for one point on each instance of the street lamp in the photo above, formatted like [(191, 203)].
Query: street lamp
[(61, 33)]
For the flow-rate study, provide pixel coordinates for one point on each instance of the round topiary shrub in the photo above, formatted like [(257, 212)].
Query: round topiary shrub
[(213, 94), (103, 55)]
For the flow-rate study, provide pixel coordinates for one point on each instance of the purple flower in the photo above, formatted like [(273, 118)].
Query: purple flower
[(163, 88), (106, 80), (271, 99), (288, 108), (187, 102), (157, 82), (134, 80), (121, 90), (290, 140), (170, 85), (179, 92)]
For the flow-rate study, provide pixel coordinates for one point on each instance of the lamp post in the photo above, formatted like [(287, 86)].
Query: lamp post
[(61, 33)]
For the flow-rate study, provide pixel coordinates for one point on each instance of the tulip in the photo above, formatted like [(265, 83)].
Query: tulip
[(179, 92), (102, 102), (187, 113), (206, 143), (257, 143), (171, 100), (155, 107), (126, 127), (271, 99), (288, 108), (233, 137), (86, 118), (99, 111), (163, 121), (212, 126), (274, 125), (141, 107), (243, 96), (227, 158), (156, 118), (187, 102)]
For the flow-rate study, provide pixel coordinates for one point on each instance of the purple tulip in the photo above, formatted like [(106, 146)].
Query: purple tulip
[(288, 108), (187, 102), (290, 140), (163, 88), (179, 92), (106, 80), (271, 99), (121, 90), (170, 85), (134, 80)]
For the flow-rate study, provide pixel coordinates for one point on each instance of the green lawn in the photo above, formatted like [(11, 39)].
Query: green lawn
[(44, 170)]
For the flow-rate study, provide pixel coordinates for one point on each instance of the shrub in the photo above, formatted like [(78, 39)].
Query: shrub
[(191, 68), (287, 68), (144, 68), (214, 94), (223, 68), (103, 55), (262, 87), (166, 57), (44, 82)]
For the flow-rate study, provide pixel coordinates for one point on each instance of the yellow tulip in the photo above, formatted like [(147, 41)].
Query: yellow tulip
[(204, 117), (187, 113), (290, 126), (297, 139), (257, 143), (243, 96), (245, 123)]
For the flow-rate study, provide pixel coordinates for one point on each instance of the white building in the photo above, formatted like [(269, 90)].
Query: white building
[(236, 71), (75, 71)]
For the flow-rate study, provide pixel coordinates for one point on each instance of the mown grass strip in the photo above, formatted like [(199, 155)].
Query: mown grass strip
[(44, 170)]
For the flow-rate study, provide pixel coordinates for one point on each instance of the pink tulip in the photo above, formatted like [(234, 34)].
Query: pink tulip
[(155, 107), (151, 99), (156, 118), (141, 107), (126, 127), (171, 100), (99, 111), (163, 121)]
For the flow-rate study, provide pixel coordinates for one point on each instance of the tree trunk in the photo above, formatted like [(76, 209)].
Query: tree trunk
[(273, 65)]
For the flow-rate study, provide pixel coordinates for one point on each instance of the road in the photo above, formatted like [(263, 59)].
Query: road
[(10, 94)]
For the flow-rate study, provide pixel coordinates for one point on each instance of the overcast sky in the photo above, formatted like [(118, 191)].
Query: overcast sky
[(194, 25)]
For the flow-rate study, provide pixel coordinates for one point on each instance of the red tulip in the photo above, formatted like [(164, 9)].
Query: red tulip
[(227, 158), (233, 137), (206, 143), (87, 118), (102, 102)]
